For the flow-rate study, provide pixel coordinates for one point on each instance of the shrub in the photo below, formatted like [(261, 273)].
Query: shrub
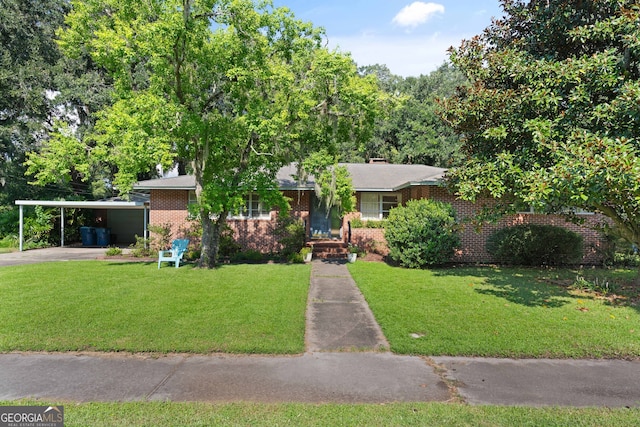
[(291, 234), (227, 246), (359, 223), (617, 251), (38, 227), (531, 244), (250, 255), (113, 251), (422, 233), (10, 241), (9, 220), (161, 237), (191, 230), (141, 249)]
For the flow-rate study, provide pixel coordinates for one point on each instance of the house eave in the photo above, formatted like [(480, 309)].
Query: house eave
[(399, 187), (184, 188), (430, 183)]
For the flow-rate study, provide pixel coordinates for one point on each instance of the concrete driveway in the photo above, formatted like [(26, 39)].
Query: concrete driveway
[(33, 256)]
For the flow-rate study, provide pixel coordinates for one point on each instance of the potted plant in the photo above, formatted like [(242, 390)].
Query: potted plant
[(353, 253), (307, 253)]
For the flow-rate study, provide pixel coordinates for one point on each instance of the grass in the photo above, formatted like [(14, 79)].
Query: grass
[(134, 307), (498, 312), (397, 414)]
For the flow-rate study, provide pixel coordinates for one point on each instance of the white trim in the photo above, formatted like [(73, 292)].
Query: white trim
[(81, 205)]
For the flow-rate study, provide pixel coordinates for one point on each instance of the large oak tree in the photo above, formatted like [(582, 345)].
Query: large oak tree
[(552, 114), (233, 88)]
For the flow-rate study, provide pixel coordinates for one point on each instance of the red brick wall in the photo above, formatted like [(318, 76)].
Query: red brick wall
[(473, 241), (170, 206)]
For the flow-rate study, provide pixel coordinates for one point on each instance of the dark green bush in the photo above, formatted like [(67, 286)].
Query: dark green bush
[(9, 220), (228, 247), (250, 255), (422, 233), (617, 251), (531, 244), (290, 233), (359, 223)]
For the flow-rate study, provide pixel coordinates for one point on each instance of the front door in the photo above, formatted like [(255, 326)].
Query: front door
[(324, 225)]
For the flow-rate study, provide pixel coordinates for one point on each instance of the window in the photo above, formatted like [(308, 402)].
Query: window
[(378, 205), (193, 200), (253, 209)]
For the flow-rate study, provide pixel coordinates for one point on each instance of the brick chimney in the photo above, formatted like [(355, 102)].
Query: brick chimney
[(378, 160)]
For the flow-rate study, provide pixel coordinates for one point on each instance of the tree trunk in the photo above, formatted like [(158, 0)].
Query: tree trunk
[(207, 259), (211, 240)]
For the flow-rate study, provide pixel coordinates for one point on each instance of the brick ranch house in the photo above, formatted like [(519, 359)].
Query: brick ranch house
[(379, 187)]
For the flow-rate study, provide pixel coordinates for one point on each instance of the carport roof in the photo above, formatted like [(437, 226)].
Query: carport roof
[(111, 204)]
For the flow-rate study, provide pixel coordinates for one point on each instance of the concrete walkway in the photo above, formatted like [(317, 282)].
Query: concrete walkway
[(345, 362), (338, 317)]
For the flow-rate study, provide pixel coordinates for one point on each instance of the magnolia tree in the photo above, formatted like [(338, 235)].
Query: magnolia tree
[(551, 116), (235, 89)]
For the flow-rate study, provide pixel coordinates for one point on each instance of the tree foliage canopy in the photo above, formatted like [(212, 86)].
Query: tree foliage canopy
[(234, 88), (551, 117), (40, 90), (28, 56), (412, 132)]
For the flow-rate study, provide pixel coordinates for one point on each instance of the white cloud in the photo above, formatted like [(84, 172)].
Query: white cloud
[(404, 55), (417, 13)]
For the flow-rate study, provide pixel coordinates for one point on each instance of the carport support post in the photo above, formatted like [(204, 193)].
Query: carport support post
[(145, 232), (62, 227), (21, 226)]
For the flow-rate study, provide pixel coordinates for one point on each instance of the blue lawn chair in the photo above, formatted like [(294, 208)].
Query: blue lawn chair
[(178, 248)]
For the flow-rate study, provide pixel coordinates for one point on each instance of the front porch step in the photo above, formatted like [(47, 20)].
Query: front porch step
[(325, 249)]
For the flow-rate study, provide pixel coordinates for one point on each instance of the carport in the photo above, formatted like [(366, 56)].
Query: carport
[(62, 204)]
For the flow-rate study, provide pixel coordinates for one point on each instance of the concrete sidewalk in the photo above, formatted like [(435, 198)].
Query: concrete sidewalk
[(544, 382), (345, 362), (311, 378)]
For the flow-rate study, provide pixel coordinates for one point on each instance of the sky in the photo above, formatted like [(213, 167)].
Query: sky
[(409, 37)]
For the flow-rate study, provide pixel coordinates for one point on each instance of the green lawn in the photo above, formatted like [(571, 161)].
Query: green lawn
[(135, 307), (497, 312), (292, 414), (260, 309)]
